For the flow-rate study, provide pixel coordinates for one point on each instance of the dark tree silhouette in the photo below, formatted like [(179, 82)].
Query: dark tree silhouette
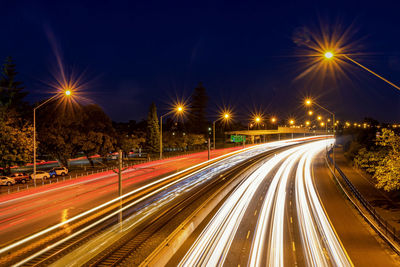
[(153, 130), (198, 107)]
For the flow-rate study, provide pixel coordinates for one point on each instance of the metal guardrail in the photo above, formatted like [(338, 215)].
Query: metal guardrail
[(386, 227), (21, 187)]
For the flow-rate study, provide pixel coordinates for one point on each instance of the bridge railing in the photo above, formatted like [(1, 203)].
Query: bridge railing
[(383, 224)]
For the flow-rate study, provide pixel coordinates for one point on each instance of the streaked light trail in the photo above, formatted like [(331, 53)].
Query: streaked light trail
[(318, 237)]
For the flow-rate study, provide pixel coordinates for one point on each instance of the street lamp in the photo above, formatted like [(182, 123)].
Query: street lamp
[(256, 119), (225, 116), (310, 112), (291, 121), (328, 55), (309, 102), (178, 110), (333, 124), (273, 119), (66, 93)]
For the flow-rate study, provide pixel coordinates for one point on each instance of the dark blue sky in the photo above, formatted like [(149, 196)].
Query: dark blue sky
[(136, 52)]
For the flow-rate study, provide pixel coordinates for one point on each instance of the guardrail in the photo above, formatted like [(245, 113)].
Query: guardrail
[(384, 226), (20, 187)]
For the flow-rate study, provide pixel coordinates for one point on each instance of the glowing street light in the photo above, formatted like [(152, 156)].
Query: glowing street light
[(273, 119), (291, 121), (319, 118), (328, 55), (224, 116), (66, 93), (310, 112), (178, 109), (308, 123), (254, 121)]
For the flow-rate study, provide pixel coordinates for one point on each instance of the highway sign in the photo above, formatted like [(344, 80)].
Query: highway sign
[(238, 138)]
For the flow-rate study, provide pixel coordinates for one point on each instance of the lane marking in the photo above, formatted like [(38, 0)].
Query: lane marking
[(294, 248), (255, 212), (248, 234)]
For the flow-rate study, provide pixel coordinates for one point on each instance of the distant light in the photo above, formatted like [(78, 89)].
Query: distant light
[(310, 112), (179, 108), (258, 119), (67, 92), (273, 119), (307, 123), (319, 118), (328, 55), (308, 102), (226, 116), (291, 122)]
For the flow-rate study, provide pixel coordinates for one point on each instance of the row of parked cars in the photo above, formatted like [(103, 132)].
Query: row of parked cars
[(23, 178)]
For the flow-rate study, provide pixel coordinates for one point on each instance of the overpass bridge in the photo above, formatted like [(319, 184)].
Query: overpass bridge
[(256, 136)]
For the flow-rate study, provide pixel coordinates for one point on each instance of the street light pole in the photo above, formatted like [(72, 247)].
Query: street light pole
[(214, 134), (225, 116), (370, 71), (34, 134), (178, 109), (309, 102)]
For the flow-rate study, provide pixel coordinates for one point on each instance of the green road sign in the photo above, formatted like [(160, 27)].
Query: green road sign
[(238, 138)]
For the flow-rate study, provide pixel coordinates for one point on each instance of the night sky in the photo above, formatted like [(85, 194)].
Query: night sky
[(136, 52)]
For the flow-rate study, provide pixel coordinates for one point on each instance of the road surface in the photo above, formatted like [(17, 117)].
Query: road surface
[(27, 214), (276, 218)]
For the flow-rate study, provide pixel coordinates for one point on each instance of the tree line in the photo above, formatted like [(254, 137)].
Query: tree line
[(376, 150), (64, 131)]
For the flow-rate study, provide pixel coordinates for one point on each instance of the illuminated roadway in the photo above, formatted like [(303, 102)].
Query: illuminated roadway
[(34, 209), (40, 209), (274, 216)]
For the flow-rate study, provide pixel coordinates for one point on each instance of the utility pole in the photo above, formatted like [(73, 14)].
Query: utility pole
[(120, 173), (161, 148), (209, 147)]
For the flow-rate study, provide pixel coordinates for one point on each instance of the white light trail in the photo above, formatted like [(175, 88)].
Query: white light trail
[(318, 237), (213, 244), (316, 230), (174, 188)]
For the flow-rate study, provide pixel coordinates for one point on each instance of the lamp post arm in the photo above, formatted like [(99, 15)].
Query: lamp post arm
[(370, 71), (323, 108), (47, 101)]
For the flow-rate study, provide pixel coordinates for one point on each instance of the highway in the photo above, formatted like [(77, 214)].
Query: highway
[(275, 217), (277, 213), (32, 210), (147, 196)]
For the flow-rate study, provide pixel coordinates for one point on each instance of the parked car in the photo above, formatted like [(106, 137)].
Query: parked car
[(20, 177), (60, 171), (40, 175), (52, 173), (4, 180)]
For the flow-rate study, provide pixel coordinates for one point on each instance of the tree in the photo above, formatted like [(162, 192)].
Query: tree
[(153, 130), (11, 90), (16, 142), (98, 134), (65, 133), (131, 142), (198, 107), (59, 132), (387, 172)]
